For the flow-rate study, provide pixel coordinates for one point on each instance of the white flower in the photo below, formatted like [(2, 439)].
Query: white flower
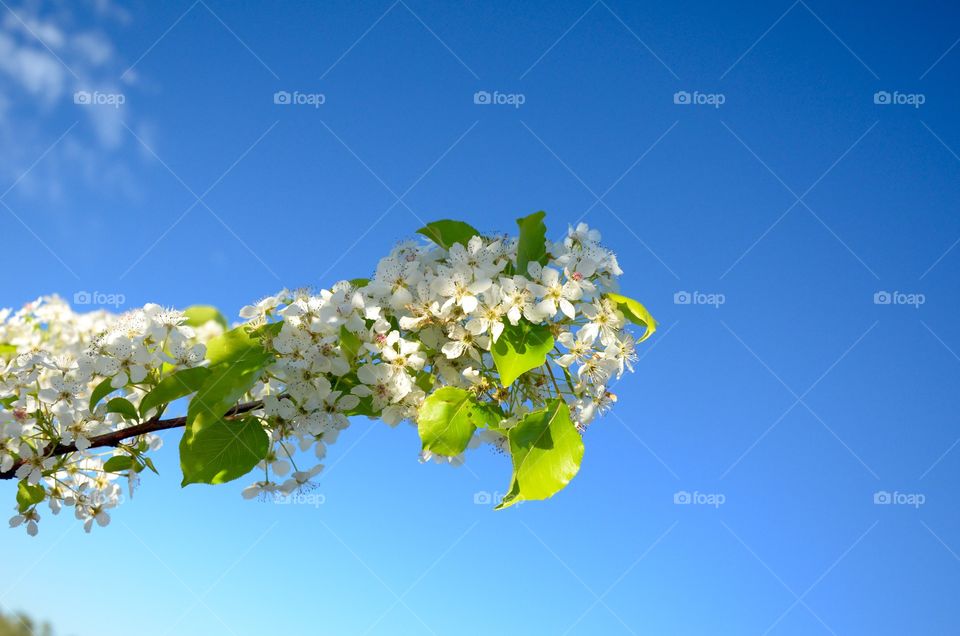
[(480, 262), (402, 354), (518, 300), (382, 383), (623, 352), (458, 288), (582, 235), (579, 347), (259, 488), (186, 354), (463, 342), (605, 320), (489, 316), (553, 293), (260, 310), (394, 280), (31, 517)]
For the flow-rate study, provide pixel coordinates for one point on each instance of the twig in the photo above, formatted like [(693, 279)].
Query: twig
[(113, 438)]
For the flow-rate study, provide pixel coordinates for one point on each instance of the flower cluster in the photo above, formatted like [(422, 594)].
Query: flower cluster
[(428, 317), (54, 361), (512, 325)]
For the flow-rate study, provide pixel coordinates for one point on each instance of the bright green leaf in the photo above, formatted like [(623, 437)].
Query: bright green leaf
[(448, 418), (124, 407), (7, 351), (198, 315), (519, 348), (100, 392), (359, 282), (546, 450), (235, 344), (118, 463), (446, 233), (532, 244), (173, 387), (635, 313), (223, 451), (223, 388), (28, 495)]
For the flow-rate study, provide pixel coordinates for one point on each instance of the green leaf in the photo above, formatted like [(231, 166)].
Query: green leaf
[(635, 313), (519, 348), (364, 407), (198, 315), (546, 450), (28, 495), (7, 351), (223, 451), (227, 383), (118, 463), (359, 282), (124, 407), (149, 464), (173, 387), (234, 344), (532, 244), (448, 418), (350, 343), (425, 380), (446, 233), (223, 388), (100, 392)]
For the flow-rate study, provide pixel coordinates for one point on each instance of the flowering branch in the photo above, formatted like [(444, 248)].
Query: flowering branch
[(473, 338), (114, 438)]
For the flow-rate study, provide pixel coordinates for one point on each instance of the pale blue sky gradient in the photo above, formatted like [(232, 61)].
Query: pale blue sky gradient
[(797, 399)]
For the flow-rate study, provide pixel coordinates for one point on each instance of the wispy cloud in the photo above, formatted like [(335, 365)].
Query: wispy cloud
[(59, 65)]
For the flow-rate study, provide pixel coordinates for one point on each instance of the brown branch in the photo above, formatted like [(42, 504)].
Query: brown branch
[(113, 438)]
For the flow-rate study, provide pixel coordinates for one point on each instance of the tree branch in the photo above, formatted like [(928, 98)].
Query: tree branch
[(113, 438)]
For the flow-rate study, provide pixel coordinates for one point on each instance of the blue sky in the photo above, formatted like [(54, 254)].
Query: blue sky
[(788, 392)]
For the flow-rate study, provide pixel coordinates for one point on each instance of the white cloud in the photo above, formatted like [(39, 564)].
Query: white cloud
[(46, 57)]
